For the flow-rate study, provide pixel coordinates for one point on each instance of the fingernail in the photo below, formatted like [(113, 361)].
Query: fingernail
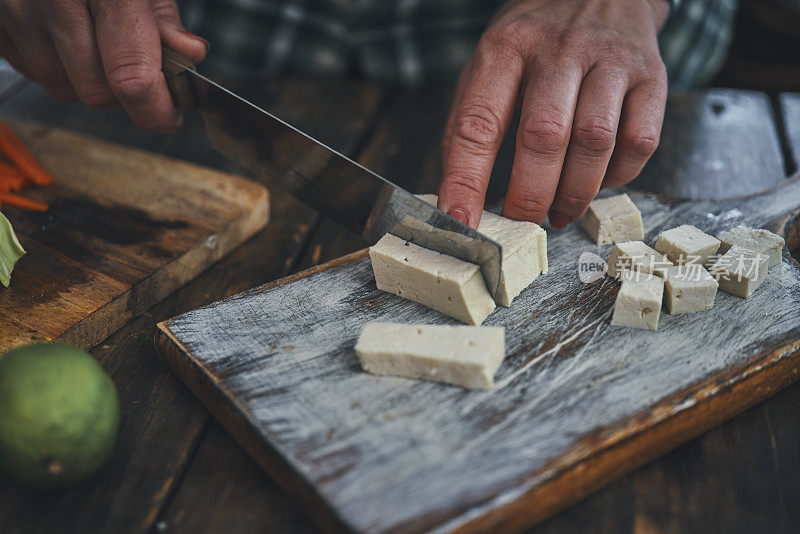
[(193, 36), (459, 215), (558, 219)]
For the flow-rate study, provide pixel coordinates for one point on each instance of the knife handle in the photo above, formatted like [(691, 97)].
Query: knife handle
[(176, 78)]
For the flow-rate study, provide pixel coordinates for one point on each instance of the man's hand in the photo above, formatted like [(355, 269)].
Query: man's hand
[(103, 52), (593, 89)]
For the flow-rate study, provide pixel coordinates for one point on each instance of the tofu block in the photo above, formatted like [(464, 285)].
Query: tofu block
[(455, 287), (638, 303), (444, 283), (687, 245), (613, 220), (740, 271), (636, 256), (689, 288), (755, 239), (466, 356), (524, 251)]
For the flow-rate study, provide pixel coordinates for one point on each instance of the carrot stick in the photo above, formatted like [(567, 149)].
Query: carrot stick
[(11, 177), (15, 150), (22, 202)]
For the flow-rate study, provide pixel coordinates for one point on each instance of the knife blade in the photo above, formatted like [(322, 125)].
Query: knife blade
[(359, 199)]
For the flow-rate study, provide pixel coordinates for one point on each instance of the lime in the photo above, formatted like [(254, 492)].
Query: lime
[(59, 415)]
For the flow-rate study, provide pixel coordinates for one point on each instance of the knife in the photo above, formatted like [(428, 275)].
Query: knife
[(333, 184)]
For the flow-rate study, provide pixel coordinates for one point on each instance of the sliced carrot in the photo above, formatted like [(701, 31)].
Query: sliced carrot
[(11, 177), (22, 202), (16, 151)]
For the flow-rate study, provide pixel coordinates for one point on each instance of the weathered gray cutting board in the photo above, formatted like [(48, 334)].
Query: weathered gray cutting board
[(577, 403)]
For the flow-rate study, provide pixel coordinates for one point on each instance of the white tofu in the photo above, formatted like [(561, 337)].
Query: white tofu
[(689, 288), (466, 356), (687, 245), (444, 283), (636, 256), (755, 239), (524, 247), (638, 303), (613, 220), (740, 271), (455, 287)]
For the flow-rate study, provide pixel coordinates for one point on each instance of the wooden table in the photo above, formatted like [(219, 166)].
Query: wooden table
[(176, 470)]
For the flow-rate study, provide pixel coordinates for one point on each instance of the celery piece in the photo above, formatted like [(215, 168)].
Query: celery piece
[(10, 250)]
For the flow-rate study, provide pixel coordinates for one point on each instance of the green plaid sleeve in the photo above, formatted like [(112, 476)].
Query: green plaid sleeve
[(409, 42)]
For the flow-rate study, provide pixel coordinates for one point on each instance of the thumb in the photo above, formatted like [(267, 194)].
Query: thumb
[(174, 35)]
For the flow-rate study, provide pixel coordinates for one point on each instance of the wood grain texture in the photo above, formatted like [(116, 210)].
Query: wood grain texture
[(578, 402), (716, 135), (125, 229)]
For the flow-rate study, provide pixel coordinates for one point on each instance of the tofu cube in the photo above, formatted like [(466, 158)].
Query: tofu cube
[(613, 220), (466, 356), (687, 245), (638, 303), (689, 288), (755, 239), (524, 247), (444, 283), (636, 256), (740, 271)]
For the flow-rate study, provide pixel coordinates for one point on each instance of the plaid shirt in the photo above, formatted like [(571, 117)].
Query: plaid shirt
[(408, 42)]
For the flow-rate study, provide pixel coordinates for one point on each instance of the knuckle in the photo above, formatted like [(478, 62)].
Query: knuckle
[(595, 135), (641, 143), (134, 80), (464, 183), (525, 205), (574, 202), (480, 126), (545, 135)]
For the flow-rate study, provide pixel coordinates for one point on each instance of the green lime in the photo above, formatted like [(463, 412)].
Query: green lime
[(59, 415)]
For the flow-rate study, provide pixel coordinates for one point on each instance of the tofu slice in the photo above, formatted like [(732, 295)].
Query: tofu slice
[(689, 288), (740, 271), (444, 283), (466, 356), (755, 239), (455, 287), (687, 244), (613, 220), (638, 303), (636, 256)]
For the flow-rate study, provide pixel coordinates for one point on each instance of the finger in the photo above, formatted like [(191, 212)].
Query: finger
[(542, 138), (481, 119), (457, 95), (594, 131), (10, 53), (174, 35), (639, 131), (130, 51), (76, 45), (39, 56)]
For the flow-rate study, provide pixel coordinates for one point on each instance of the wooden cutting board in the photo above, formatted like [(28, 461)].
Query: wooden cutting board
[(125, 229), (578, 402)]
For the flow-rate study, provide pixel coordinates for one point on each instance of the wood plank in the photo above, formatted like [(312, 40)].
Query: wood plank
[(125, 229), (721, 137), (460, 460), (403, 149), (790, 109)]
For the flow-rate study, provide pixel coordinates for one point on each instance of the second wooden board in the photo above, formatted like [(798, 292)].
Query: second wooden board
[(578, 402)]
